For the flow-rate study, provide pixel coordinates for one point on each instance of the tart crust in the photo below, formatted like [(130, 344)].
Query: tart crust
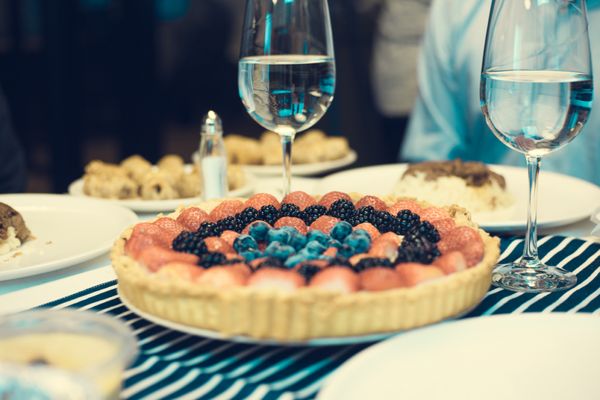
[(306, 313)]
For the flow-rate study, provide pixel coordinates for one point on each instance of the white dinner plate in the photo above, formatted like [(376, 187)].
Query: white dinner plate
[(66, 230), (303, 169), (328, 341), (562, 199), (148, 206), (527, 356)]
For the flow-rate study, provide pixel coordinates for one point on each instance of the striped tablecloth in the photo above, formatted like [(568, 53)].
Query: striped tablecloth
[(174, 365)]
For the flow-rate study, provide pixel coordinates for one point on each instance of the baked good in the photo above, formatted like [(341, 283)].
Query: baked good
[(309, 147), (472, 185), (13, 231), (136, 178), (308, 267)]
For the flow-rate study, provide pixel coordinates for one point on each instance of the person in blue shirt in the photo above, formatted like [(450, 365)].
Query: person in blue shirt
[(447, 121)]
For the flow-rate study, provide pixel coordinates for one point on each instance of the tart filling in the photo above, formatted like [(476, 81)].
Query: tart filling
[(306, 267)]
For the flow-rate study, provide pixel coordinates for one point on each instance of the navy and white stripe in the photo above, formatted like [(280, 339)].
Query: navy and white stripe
[(175, 365)]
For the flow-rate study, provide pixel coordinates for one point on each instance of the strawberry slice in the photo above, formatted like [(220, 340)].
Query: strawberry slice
[(192, 217), (372, 201), (324, 223), (400, 205), (188, 272), (227, 208), (331, 252), (300, 199), (369, 228), (414, 273), (218, 245), (172, 227), (293, 222), (155, 257), (222, 277), (443, 226), (260, 200), (149, 229), (136, 243), (433, 214), (379, 278), (329, 198), (451, 262), (384, 249), (336, 279), (276, 279), (357, 257), (390, 237), (466, 240), (243, 268), (229, 237)]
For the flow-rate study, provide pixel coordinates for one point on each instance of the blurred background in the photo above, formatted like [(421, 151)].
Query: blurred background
[(104, 79)]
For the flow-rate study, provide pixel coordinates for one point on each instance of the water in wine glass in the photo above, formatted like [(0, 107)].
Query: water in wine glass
[(536, 112), (287, 93)]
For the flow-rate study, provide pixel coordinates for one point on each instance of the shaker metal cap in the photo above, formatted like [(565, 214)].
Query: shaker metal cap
[(211, 124)]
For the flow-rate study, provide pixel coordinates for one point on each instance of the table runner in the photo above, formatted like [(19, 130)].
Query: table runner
[(175, 365)]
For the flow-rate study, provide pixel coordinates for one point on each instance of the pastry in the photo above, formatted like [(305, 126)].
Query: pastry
[(308, 267), (13, 231), (471, 185), (136, 167), (115, 186), (156, 185)]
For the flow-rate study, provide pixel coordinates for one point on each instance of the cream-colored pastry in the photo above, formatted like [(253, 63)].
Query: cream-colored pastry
[(189, 184), (116, 186), (157, 186), (235, 177), (173, 166), (136, 167), (97, 167)]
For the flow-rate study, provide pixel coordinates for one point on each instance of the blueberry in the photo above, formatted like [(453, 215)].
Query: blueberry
[(341, 230), (346, 251), (318, 236), (280, 251), (307, 254), (362, 232), (358, 242), (315, 247), (259, 230), (295, 260), (244, 242), (298, 241), (290, 229), (334, 243), (278, 235), (250, 255)]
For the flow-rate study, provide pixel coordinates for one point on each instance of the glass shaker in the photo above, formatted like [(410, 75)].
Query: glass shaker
[(212, 158)]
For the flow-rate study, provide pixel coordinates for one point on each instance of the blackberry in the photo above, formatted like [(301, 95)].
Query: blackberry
[(308, 271), (363, 214), (340, 262), (211, 259), (207, 229), (271, 262), (290, 210), (269, 214), (342, 209), (405, 222), (383, 221), (247, 216), (428, 231), (228, 224), (189, 242), (415, 248), (367, 263), (311, 213)]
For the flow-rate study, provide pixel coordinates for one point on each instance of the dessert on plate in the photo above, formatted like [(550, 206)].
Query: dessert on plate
[(306, 267), (310, 147), (472, 185), (136, 178), (13, 231)]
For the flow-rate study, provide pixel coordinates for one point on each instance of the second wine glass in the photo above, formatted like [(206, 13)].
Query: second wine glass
[(286, 72)]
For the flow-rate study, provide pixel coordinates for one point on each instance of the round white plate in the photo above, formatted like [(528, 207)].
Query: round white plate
[(147, 206), (250, 340), (526, 356), (303, 169), (562, 199), (67, 230)]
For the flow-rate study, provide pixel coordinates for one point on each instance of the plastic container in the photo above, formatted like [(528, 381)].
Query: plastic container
[(94, 347)]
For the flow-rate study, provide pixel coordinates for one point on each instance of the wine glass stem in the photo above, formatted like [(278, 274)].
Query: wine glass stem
[(286, 144), (530, 252)]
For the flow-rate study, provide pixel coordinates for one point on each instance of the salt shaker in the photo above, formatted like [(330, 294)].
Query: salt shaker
[(213, 158)]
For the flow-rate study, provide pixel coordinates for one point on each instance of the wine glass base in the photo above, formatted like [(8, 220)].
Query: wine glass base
[(538, 278)]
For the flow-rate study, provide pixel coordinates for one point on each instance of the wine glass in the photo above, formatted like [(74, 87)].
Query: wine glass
[(536, 95), (286, 73)]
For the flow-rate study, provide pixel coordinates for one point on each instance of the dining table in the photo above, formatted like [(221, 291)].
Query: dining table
[(180, 365)]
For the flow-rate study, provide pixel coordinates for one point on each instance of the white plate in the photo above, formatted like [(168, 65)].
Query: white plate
[(247, 339), (527, 356), (303, 169), (67, 230), (557, 206), (143, 206)]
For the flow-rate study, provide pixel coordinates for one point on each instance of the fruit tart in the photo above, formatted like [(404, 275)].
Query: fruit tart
[(306, 267)]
